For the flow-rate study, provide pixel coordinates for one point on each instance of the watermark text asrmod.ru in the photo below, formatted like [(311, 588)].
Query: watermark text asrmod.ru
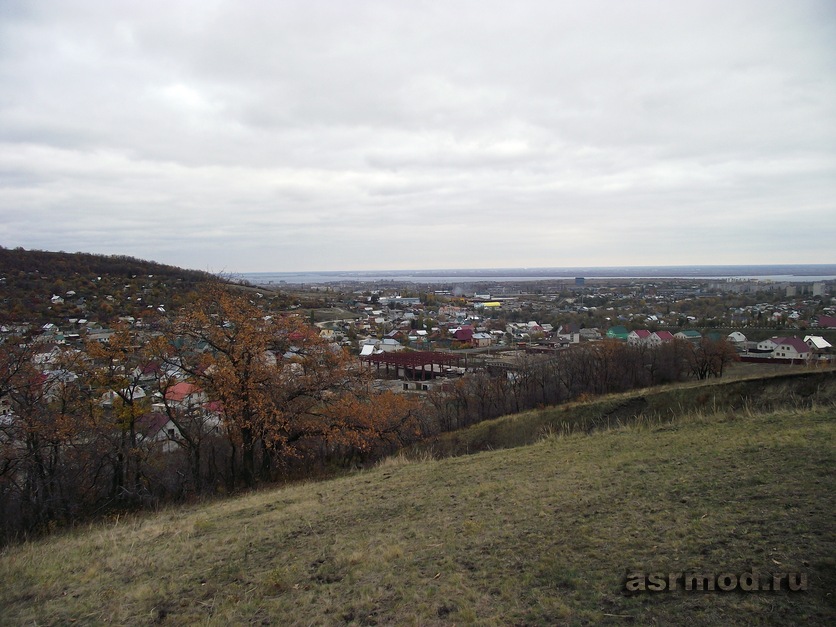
[(706, 582)]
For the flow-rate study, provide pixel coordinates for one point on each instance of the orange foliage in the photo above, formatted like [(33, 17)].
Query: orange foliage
[(281, 386)]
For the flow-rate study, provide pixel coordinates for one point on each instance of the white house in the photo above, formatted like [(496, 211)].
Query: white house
[(390, 345), (640, 336), (769, 345), (736, 338), (185, 395), (817, 343), (155, 429), (657, 338), (792, 348)]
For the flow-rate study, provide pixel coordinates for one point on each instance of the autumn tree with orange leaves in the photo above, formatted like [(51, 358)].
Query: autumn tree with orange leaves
[(121, 402), (278, 386), (45, 438)]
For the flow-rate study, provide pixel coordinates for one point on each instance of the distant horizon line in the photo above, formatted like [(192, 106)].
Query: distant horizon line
[(540, 269), (788, 273)]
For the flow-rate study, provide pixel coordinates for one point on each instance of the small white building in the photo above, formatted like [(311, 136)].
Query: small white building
[(736, 338), (768, 345), (390, 345), (817, 343)]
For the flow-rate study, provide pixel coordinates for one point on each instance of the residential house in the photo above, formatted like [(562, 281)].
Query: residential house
[(419, 336), (155, 428), (827, 322), (480, 340), (767, 346), (534, 327), (792, 348), (736, 338), (147, 372), (391, 345), (688, 334), (618, 332), (639, 336), (463, 334), (590, 334), (657, 338), (818, 344), (185, 395), (189, 399), (5, 406)]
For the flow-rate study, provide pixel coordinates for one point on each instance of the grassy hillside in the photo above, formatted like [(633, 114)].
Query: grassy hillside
[(536, 535), (789, 388)]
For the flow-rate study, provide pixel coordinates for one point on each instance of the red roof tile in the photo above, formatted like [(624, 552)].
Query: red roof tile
[(179, 392), (797, 343)]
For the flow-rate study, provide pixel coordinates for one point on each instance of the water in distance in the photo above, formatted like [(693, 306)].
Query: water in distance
[(790, 273)]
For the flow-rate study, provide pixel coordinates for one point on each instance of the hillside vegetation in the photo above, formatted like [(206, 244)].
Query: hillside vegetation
[(536, 535), (801, 388), (30, 279)]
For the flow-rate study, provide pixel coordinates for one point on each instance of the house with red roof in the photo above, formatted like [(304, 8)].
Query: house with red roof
[(657, 338), (827, 322), (155, 428), (185, 394), (792, 348), (639, 336), (148, 371), (463, 334), (768, 345)]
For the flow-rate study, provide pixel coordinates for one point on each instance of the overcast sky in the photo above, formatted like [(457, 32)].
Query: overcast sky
[(236, 136)]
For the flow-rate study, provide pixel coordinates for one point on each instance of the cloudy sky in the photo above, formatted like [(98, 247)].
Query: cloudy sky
[(285, 135)]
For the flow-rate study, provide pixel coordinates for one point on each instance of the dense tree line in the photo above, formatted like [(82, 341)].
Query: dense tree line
[(587, 369)]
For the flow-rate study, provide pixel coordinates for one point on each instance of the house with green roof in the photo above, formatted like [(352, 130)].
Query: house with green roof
[(619, 332)]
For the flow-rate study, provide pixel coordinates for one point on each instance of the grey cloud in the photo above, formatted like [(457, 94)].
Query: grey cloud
[(316, 135)]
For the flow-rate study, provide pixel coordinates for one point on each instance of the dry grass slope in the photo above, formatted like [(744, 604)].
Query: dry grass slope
[(796, 389), (537, 535)]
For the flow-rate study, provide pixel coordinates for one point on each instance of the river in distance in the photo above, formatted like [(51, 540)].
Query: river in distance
[(776, 273)]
